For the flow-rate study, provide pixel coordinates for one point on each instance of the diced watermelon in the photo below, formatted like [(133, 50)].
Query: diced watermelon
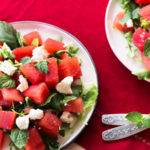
[(3, 102), (38, 92), (69, 67), (31, 36), (7, 119), (12, 94), (33, 74), (145, 12), (74, 106), (139, 38), (142, 1), (52, 45), (65, 55), (118, 25), (35, 141), (51, 79), (146, 61), (1, 138), (1, 58), (50, 124), (22, 52), (1, 108)]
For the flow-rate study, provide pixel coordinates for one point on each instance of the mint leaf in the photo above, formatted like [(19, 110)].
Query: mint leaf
[(147, 48), (42, 66), (6, 81), (135, 13), (126, 18), (25, 60), (19, 137), (35, 42), (134, 117), (146, 122)]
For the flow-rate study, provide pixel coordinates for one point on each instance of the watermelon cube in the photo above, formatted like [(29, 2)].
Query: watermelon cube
[(7, 119), (22, 52), (145, 12), (69, 67), (12, 94), (38, 92), (31, 36), (50, 124), (3, 102), (1, 138), (52, 45), (52, 78), (75, 106), (33, 74), (35, 141)]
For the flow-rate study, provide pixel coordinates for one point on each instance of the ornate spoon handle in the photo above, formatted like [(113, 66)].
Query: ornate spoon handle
[(121, 132)]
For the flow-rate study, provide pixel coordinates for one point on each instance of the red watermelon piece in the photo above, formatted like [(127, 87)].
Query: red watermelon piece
[(50, 124), (139, 38), (65, 55), (74, 106), (145, 12), (69, 67), (7, 119), (12, 94), (31, 36), (35, 141), (1, 138), (3, 102), (38, 92), (52, 78), (118, 25), (23, 52), (142, 1), (33, 74), (52, 45)]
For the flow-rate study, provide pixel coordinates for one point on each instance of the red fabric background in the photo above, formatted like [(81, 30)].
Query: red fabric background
[(120, 92)]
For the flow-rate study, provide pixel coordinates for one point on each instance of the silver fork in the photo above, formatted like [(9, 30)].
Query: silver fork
[(125, 129)]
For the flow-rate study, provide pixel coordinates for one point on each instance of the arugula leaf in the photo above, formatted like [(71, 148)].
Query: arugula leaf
[(147, 48), (8, 35), (89, 97), (35, 42), (25, 60), (6, 81), (67, 99), (59, 38), (142, 74), (42, 66), (19, 137)]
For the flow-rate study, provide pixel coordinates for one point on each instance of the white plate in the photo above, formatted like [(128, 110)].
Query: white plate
[(116, 40), (88, 67)]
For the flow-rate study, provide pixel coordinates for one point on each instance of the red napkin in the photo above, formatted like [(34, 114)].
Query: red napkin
[(120, 92)]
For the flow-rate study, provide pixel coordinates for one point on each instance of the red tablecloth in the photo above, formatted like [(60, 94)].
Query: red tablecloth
[(120, 92)]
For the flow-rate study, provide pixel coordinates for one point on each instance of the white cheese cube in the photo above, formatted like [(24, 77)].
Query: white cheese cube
[(7, 68), (36, 114), (129, 23), (65, 85), (23, 84), (22, 122), (67, 117)]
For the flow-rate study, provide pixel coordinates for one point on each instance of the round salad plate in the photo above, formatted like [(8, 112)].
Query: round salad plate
[(88, 68), (116, 39)]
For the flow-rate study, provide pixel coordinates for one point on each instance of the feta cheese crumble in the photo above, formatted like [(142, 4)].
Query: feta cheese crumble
[(23, 84), (65, 85), (67, 117), (22, 122), (39, 54), (36, 114), (7, 68), (129, 23)]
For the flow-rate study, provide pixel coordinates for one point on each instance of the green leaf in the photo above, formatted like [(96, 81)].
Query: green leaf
[(58, 53), (42, 66), (134, 117), (77, 90), (35, 42), (6, 81), (135, 13), (25, 60), (67, 99), (146, 122), (126, 18), (28, 102), (18, 34), (59, 38), (89, 97), (8, 35), (139, 124), (19, 137), (147, 48), (142, 74)]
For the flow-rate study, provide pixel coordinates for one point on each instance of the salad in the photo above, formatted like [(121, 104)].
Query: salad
[(134, 24), (41, 92)]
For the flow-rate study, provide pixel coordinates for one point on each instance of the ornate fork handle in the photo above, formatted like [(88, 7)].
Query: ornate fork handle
[(121, 132)]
